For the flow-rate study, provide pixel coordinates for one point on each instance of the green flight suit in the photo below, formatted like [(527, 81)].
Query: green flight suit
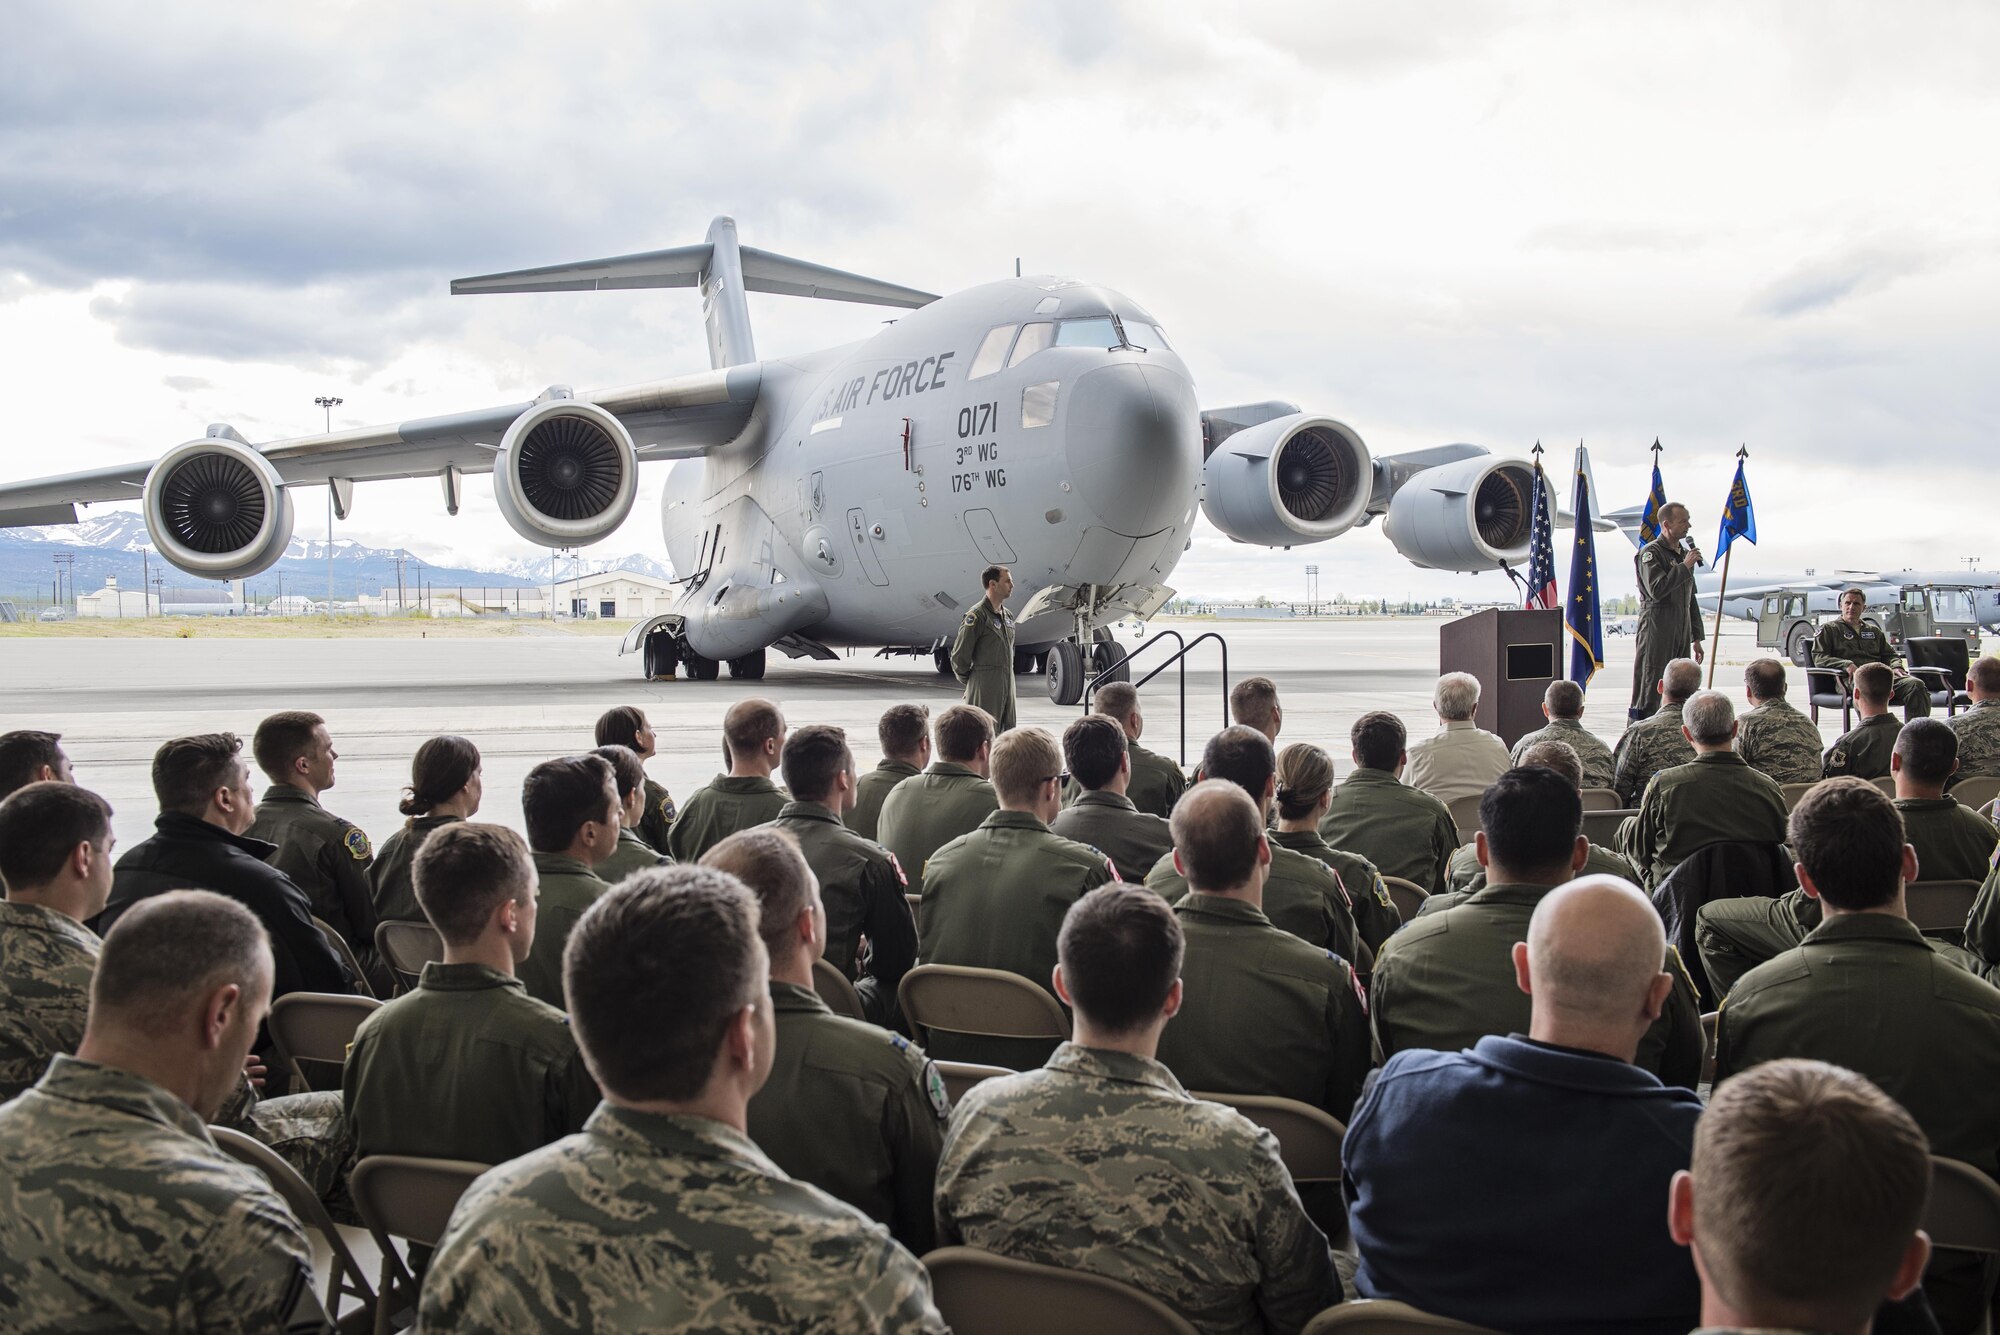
[(1839, 645), (468, 1066), (1375, 915), (1447, 980), (1467, 876), (871, 791), (568, 887), (1652, 744), (995, 899), (1669, 619), (1715, 798), (927, 811), (1736, 935), (1111, 824), (1864, 752), (658, 821), (1777, 740), (857, 1111), (864, 890), (1156, 784), (1262, 1012), (328, 858), (1953, 842), (1301, 895), (1404, 831), (718, 809), (629, 854), (982, 657), (390, 882)]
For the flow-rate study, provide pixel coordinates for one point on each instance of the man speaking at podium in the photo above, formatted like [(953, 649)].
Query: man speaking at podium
[(1669, 617)]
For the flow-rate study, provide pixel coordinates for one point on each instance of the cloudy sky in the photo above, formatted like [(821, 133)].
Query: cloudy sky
[(1715, 224)]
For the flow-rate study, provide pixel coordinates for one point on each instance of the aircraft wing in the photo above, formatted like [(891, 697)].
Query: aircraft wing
[(676, 418)]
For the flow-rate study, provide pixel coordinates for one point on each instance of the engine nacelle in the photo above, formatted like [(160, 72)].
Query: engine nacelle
[(566, 474), (1291, 480), (1470, 515), (218, 509)]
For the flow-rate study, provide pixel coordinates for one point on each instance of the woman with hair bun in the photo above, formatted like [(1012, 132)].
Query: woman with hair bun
[(444, 787), (1305, 791)]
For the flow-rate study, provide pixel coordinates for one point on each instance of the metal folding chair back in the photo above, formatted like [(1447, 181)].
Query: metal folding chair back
[(346, 1279), (836, 991), (1792, 792), (311, 1031), (1939, 906), (981, 1293), (1465, 815), (1601, 827), (1308, 1137), (988, 1002), (406, 947), (399, 1196), (1407, 896), (1976, 791), (1964, 1209), (1601, 799), (1378, 1317), (959, 1077), (1709, 1020), (346, 953)]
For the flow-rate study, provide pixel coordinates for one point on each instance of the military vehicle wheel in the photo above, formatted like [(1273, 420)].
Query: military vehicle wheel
[(699, 668), (1798, 645), (750, 667), (662, 655), (1107, 659), (1066, 673), (941, 657)]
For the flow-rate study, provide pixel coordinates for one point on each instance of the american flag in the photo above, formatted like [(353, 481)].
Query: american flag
[(1542, 550)]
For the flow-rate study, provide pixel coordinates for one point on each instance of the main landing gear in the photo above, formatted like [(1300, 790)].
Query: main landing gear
[(1069, 665)]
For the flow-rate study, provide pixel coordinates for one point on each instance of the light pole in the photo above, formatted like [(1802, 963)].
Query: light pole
[(329, 403), (1312, 590)]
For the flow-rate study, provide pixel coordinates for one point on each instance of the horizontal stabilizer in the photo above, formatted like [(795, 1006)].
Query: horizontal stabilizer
[(683, 266)]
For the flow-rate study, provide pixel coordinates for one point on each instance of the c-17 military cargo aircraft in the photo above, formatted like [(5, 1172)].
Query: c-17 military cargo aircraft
[(851, 497)]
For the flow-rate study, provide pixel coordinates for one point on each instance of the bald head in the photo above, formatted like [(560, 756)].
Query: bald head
[(1592, 965), (1681, 679)]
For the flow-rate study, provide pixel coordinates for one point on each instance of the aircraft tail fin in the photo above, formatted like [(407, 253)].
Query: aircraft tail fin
[(1627, 522), (724, 271)]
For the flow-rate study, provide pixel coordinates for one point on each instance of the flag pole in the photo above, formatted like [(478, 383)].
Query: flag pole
[(1721, 593)]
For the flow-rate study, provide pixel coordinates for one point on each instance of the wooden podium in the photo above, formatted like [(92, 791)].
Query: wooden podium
[(1515, 655)]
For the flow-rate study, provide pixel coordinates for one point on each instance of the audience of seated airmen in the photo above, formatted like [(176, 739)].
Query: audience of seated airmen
[(1404, 831), (1301, 894), (1263, 1012), (469, 1066), (1157, 782), (1656, 742), (753, 735), (1300, 800), (1102, 816), (904, 733), (1864, 990), (1863, 752), (120, 1212), (570, 806), (1466, 873), (1714, 798), (1461, 758), (662, 1213), (856, 1110), (1101, 1161), (863, 889), (995, 898), (951, 797), (1772, 737), (626, 726), (1253, 703), (1978, 728), (446, 785), (1566, 1145), (1562, 706), (28, 755), (631, 853), (1445, 980)]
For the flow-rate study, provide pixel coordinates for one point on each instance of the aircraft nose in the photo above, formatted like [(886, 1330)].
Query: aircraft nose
[(1134, 440)]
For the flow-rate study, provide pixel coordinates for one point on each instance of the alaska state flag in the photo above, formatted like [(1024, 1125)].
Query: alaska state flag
[(1649, 522), (1739, 517), (1541, 549), (1580, 615)]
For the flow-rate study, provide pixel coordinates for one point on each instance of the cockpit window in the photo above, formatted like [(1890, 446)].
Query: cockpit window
[(992, 352), (1097, 331), (1148, 336), (1034, 337)]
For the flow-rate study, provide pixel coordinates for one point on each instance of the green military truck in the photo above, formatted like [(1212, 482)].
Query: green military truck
[(1789, 618)]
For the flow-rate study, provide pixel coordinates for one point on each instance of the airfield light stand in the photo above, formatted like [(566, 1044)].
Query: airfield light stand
[(1312, 590)]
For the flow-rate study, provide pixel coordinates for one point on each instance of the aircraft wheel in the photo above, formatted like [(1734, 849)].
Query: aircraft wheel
[(1066, 673), (699, 668), (941, 659), (750, 667), (1107, 659), (1798, 645), (661, 656)]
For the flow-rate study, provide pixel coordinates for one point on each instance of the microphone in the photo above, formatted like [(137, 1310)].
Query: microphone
[(1687, 545)]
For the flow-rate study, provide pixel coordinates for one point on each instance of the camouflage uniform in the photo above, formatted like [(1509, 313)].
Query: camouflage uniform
[(1777, 740), (391, 886), (1714, 798), (924, 813), (328, 858), (982, 657), (1589, 748), (1669, 619), (1375, 915), (1100, 1161), (1156, 784), (1447, 980), (468, 1066), (1864, 753), (1402, 830), (1839, 645), (1115, 827), (658, 821), (117, 1212), (1301, 896), (629, 854), (568, 887), (1978, 730), (719, 809), (46, 963), (857, 1111), (871, 791), (1468, 877), (1262, 1012), (1647, 747), (655, 1221), (864, 889)]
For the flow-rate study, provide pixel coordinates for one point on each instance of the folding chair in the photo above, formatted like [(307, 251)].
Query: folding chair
[(346, 953), (1407, 896), (345, 1277), (1601, 827), (1601, 799), (836, 991), (312, 1030), (1976, 791), (1309, 1141), (1378, 1317), (990, 1003), (961, 1076), (409, 1198), (1792, 792), (406, 947), (914, 900), (981, 1293), (1827, 689), (1709, 1020), (1465, 815), (1964, 1212), (1939, 906), (1941, 663)]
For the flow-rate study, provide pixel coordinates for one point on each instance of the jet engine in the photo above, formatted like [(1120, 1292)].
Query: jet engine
[(1291, 480), (218, 509), (566, 474), (1469, 515)]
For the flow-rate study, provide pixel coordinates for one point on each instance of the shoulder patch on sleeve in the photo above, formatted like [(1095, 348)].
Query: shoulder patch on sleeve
[(897, 867), (972, 618), (1381, 893), (1651, 556), (1360, 992), (667, 807), (1110, 867), (934, 1091), (356, 843)]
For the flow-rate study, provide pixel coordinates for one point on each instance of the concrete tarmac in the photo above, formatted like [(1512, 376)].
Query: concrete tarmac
[(522, 699)]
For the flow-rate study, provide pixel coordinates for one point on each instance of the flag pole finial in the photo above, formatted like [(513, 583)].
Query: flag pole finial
[(1657, 447), (1537, 451), (1743, 450)]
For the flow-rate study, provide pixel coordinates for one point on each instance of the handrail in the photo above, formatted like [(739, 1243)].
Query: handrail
[(1179, 657)]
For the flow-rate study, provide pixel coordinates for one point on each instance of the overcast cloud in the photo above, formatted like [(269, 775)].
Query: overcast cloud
[(1714, 224)]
